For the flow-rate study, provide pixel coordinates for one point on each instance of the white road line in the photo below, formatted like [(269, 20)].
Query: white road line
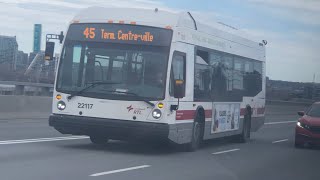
[(280, 122), (120, 170), (282, 140), (23, 141), (221, 152)]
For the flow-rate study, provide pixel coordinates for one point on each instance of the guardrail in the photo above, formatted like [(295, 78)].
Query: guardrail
[(278, 102), (20, 87)]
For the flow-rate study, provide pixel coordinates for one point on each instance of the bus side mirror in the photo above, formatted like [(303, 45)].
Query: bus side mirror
[(179, 90), (48, 54)]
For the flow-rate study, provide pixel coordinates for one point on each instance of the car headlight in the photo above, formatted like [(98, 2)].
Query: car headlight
[(156, 113), (303, 125), (61, 105), (299, 124)]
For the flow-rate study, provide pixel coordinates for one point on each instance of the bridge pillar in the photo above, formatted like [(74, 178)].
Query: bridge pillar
[(45, 91), (19, 90)]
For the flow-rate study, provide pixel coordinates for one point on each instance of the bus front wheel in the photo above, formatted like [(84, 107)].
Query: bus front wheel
[(197, 133), (98, 140)]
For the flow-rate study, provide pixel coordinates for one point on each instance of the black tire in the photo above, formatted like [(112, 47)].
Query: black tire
[(246, 130), (98, 140), (297, 145), (197, 135)]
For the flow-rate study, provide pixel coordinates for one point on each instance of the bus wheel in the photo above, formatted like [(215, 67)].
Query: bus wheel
[(196, 135), (98, 140), (245, 135)]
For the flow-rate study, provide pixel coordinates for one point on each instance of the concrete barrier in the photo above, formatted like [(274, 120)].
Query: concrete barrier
[(285, 107), (19, 107), (25, 104)]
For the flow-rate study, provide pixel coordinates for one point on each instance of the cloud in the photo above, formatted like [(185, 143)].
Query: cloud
[(302, 11), (288, 53), (20, 15), (306, 5), (291, 56)]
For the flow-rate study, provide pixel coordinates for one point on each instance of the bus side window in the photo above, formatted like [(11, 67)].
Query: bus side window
[(178, 70)]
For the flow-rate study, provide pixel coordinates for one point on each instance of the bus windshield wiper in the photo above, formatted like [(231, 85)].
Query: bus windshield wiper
[(133, 94), (92, 85)]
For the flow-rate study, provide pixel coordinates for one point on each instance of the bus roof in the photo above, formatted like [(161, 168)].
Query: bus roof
[(163, 19)]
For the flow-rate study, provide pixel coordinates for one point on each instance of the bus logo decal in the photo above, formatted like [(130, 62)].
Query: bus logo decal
[(135, 110), (129, 108)]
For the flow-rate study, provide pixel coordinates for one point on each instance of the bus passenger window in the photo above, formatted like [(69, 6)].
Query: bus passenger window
[(202, 79), (178, 70)]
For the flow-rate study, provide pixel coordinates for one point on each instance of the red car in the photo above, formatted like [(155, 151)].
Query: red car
[(308, 127)]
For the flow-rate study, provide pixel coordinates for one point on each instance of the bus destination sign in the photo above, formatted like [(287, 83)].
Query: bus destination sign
[(120, 33)]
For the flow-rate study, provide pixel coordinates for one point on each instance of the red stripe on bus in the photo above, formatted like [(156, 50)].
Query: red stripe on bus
[(185, 114), (190, 114), (208, 113), (243, 111), (260, 110)]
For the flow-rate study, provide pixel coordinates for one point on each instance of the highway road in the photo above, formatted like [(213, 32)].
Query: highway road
[(31, 150)]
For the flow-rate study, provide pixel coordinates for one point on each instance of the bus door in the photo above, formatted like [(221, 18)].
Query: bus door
[(182, 68)]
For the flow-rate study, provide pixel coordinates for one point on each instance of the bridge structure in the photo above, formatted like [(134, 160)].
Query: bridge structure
[(19, 87)]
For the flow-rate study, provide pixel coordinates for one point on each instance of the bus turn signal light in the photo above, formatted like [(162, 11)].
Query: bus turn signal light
[(160, 105), (58, 97)]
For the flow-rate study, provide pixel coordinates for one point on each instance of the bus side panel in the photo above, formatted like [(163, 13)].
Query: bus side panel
[(180, 133), (208, 135)]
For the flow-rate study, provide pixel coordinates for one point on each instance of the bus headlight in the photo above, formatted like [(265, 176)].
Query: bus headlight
[(156, 113), (61, 105)]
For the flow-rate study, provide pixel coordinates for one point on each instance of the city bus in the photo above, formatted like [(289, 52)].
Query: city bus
[(134, 74)]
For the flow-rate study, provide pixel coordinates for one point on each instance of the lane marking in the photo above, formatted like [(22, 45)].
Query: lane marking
[(221, 152), (24, 141), (120, 170), (280, 122), (282, 140)]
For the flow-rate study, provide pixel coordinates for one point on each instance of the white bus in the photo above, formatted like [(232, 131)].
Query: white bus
[(136, 73)]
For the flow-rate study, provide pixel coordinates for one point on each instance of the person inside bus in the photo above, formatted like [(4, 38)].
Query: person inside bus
[(219, 82)]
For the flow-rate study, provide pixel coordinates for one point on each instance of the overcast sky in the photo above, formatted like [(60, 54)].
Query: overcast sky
[(291, 27)]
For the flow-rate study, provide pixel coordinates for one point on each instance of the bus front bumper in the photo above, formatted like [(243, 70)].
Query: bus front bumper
[(112, 128)]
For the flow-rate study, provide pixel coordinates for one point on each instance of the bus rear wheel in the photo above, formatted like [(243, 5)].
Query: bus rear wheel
[(246, 130), (98, 140)]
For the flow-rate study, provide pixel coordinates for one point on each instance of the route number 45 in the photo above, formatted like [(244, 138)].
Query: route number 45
[(89, 33)]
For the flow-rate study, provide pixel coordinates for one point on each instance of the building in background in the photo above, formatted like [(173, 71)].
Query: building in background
[(22, 60), (32, 55), (37, 38), (8, 52), (292, 91)]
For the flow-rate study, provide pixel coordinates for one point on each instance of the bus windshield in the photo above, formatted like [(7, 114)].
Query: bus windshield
[(123, 58), (138, 69)]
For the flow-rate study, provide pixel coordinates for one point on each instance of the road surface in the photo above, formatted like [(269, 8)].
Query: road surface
[(29, 149)]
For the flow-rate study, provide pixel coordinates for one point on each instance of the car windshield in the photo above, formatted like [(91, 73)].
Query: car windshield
[(133, 68), (314, 110)]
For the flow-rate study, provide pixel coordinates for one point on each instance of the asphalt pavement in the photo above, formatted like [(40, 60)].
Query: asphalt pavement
[(30, 149)]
